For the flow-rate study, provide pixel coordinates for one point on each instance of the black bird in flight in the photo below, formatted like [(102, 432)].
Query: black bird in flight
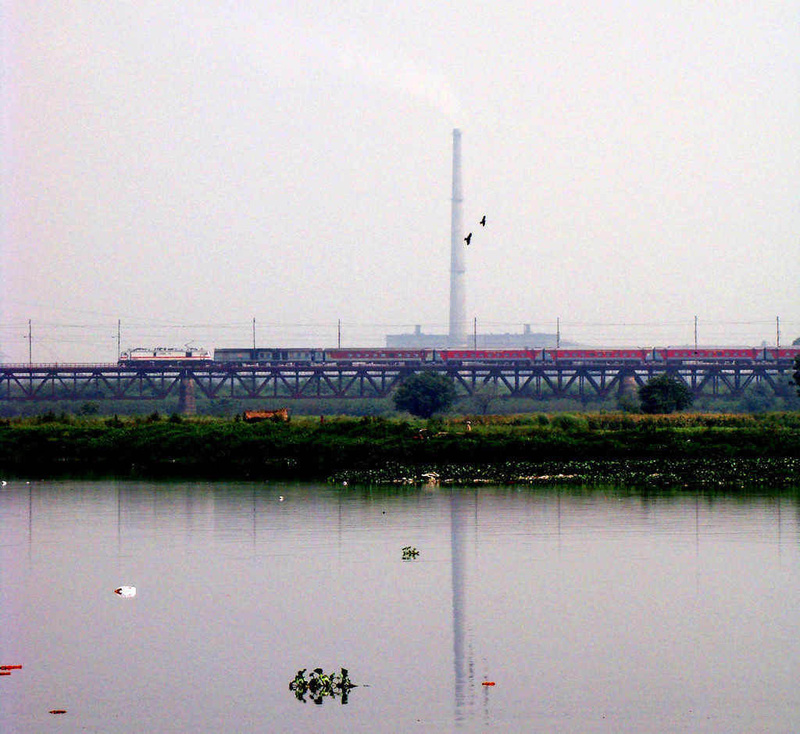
[(483, 221), (468, 238)]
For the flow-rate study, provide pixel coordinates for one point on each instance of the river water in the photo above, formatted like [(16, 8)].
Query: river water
[(599, 611)]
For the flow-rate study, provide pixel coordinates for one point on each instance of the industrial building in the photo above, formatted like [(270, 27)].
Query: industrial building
[(527, 339)]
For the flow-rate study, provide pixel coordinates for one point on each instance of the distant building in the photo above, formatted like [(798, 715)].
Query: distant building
[(527, 339), (417, 340)]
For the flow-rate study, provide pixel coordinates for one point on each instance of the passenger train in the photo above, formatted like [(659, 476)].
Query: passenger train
[(305, 356)]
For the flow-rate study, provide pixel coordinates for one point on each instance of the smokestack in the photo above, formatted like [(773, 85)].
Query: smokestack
[(458, 304)]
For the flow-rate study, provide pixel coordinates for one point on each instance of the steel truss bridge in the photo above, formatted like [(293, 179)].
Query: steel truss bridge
[(600, 379)]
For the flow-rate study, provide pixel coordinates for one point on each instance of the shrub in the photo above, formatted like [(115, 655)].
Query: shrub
[(664, 394), (425, 393), (569, 422)]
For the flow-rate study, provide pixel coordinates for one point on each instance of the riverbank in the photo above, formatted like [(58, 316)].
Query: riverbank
[(668, 450), (679, 450)]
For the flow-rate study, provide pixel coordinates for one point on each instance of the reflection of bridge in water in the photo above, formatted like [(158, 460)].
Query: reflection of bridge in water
[(597, 379)]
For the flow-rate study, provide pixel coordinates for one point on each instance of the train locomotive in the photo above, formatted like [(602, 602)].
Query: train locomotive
[(164, 356)]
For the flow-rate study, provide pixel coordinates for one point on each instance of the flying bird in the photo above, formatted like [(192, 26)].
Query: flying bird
[(468, 238), (483, 221)]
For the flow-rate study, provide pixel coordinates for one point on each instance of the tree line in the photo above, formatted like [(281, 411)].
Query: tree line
[(424, 394)]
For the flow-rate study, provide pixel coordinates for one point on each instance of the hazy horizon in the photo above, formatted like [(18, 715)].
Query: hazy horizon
[(184, 169)]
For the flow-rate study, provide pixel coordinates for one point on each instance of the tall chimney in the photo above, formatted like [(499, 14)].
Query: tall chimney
[(458, 305)]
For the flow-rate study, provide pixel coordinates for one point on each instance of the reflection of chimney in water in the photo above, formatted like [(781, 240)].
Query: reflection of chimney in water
[(458, 306), (459, 509)]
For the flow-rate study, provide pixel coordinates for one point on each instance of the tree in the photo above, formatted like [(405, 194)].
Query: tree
[(425, 393), (88, 408), (759, 399), (483, 396), (664, 394)]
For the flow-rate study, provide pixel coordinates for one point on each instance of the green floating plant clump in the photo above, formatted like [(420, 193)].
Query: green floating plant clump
[(320, 685), (409, 552)]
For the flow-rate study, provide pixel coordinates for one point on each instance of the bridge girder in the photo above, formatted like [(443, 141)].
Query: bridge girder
[(292, 382)]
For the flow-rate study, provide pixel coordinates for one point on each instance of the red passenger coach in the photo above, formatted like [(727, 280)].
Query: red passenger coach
[(375, 356), (725, 354), (483, 356), (784, 352), (599, 355)]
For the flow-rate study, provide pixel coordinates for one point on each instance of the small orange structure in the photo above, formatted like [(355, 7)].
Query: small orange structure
[(251, 416), (10, 667), (5, 672), (58, 711), (488, 683)]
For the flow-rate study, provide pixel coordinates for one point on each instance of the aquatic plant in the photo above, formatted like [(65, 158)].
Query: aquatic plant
[(733, 473), (319, 685)]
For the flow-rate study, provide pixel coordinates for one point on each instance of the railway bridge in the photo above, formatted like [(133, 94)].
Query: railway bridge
[(586, 380)]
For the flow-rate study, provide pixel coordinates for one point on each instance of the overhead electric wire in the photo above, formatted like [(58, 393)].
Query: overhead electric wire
[(109, 336)]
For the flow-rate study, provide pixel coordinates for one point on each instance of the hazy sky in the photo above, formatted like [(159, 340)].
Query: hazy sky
[(185, 167)]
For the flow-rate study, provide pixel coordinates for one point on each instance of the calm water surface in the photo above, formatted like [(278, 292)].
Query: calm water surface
[(591, 612)]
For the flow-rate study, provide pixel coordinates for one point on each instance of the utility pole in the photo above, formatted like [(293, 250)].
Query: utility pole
[(30, 344), (778, 332), (475, 333), (339, 334), (119, 339), (254, 333), (695, 333), (558, 332)]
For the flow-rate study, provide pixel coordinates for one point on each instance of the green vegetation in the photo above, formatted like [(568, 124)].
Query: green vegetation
[(425, 393), (409, 552), (664, 394), (796, 374), (684, 448), (321, 685)]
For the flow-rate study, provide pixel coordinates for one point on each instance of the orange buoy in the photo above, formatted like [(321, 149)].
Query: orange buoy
[(5, 672), (58, 711), (10, 667), (488, 683)]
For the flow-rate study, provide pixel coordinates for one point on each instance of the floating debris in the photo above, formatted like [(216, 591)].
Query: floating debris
[(488, 683), (10, 667), (126, 591), (5, 672), (320, 685), (409, 553), (58, 711)]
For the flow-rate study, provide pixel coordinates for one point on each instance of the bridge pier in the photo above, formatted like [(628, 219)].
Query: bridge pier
[(628, 386), (187, 405)]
